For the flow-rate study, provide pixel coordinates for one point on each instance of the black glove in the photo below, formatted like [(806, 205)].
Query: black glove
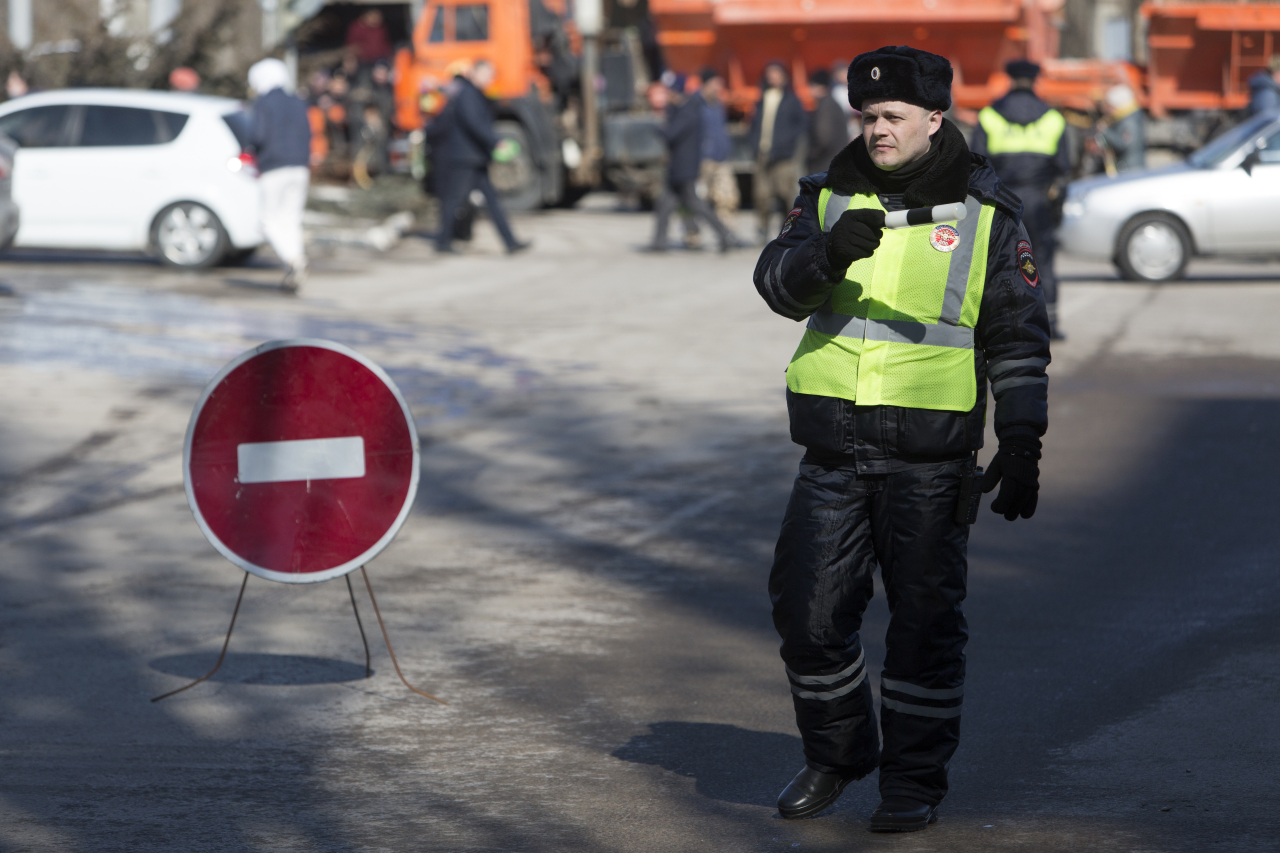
[(854, 237), (1014, 468)]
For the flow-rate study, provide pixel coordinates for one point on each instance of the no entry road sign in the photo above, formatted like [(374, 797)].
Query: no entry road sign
[(301, 460)]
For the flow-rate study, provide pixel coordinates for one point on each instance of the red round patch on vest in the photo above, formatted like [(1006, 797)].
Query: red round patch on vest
[(1027, 264), (945, 238)]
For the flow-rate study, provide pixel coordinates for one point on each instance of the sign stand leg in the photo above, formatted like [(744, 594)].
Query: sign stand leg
[(225, 643), (387, 637), (368, 671)]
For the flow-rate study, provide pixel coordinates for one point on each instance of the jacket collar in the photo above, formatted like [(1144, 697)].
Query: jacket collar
[(957, 173)]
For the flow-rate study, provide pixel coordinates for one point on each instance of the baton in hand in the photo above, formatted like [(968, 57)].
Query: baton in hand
[(925, 215)]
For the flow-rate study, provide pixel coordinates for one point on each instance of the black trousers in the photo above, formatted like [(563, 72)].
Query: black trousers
[(839, 527), (1037, 215), (453, 185), (686, 193)]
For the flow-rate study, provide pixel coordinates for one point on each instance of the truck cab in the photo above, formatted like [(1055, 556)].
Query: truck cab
[(536, 53)]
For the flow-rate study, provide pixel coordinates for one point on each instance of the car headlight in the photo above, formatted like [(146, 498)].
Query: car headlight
[(1073, 208)]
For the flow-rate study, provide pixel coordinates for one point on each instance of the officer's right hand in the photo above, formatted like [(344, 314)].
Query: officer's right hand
[(854, 237)]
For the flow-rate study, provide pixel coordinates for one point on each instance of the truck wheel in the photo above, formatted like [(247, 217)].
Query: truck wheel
[(571, 195), (1153, 247), (517, 181)]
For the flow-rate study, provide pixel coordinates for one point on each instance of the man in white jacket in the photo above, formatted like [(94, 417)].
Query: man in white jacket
[(281, 143)]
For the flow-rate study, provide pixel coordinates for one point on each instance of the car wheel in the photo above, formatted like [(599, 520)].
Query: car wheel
[(1153, 247), (189, 235)]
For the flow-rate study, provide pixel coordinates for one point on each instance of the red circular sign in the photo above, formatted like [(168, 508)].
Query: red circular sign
[(301, 461)]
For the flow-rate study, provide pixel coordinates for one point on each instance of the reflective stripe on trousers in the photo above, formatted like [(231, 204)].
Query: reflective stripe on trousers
[(950, 696), (832, 686)]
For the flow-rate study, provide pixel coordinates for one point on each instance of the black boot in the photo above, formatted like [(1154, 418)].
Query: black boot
[(902, 814), (813, 791)]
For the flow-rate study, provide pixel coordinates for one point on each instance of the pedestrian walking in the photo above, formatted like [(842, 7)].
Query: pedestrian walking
[(1264, 88), (840, 86), (828, 125), (717, 182), (281, 143), (887, 394), (777, 129), (683, 134), (1026, 140), (1125, 129), (463, 142), (716, 173)]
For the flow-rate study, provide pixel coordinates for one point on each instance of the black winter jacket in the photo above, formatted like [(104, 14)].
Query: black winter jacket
[(828, 134), (1025, 170), (1012, 334), (280, 134), (683, 133), (789, 127), (463, 135)]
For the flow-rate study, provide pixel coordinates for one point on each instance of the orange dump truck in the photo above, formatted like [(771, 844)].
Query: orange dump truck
[(572, 136), (740, 36), (1201, 55)]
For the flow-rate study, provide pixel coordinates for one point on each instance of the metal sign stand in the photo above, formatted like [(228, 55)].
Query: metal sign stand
[(368, 671)]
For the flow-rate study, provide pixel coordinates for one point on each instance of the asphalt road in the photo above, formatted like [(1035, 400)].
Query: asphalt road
[(605, 463)]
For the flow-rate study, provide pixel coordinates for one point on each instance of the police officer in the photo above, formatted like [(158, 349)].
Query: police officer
[(1026, 140), (887, 394)]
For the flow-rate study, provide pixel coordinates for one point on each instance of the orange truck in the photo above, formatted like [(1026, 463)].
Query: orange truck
[(573, 136), (570, 137)]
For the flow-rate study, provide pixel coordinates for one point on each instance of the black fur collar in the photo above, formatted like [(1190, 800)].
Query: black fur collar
[(946, 181)]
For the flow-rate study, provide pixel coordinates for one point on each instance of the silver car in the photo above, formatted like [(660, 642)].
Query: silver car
[(1224, 200)]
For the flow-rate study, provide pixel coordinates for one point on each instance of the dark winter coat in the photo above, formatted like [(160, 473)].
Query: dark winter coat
[(789, 127), (828, 134), (462, 135), (1264, 93), (281, 133), (1012, 334), (683, 133), (1025, 170), (716, 143)]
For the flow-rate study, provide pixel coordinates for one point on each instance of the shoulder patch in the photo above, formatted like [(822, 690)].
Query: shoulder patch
[(1027, 264), (790, 221)]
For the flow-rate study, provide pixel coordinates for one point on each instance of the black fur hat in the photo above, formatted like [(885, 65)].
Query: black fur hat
[(901, 74)]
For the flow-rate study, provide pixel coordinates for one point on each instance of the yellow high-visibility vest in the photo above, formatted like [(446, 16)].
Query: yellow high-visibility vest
[(1039, 137), (899, 329)]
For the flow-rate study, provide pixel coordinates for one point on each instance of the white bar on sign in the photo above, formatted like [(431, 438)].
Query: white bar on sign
[(308, 459)]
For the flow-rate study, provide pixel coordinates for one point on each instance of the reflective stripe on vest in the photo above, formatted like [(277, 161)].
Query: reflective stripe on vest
[(899, 329), (1039, 137)]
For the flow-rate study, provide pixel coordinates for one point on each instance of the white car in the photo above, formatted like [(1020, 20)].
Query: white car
[(8, 210), (1224, 200), (127, 170)]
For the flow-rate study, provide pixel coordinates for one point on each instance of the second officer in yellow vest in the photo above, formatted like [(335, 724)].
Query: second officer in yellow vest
[(1026, 140), (887, 393)]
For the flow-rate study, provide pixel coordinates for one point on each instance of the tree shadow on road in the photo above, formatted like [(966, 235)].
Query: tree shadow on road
[(259, 668), (729, 763)]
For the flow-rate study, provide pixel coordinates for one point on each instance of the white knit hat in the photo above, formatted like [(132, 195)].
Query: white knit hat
[(268, 74)]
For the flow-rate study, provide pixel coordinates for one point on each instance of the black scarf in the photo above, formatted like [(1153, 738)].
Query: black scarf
[(939, 177)]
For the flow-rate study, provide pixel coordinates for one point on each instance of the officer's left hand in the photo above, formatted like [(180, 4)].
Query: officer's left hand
[(1014, 468)]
